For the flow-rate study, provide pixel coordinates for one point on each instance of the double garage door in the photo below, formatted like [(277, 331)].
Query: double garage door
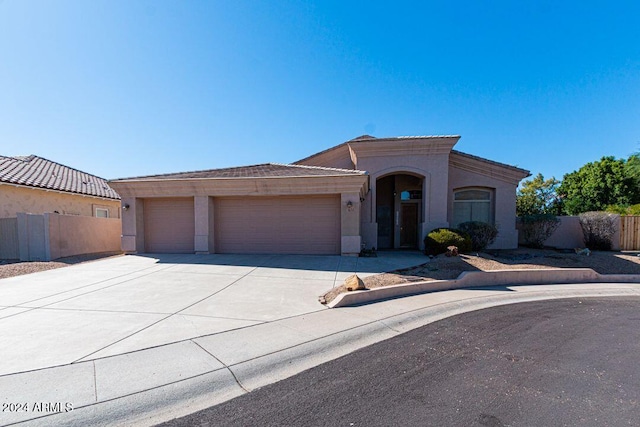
[(278, 225)]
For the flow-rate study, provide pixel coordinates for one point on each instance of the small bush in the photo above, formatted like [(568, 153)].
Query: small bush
[(598, 229), (624, 210), (439, 239), (536, 229), (482, 234)]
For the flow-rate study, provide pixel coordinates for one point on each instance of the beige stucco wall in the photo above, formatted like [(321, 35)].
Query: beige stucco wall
[(350, 188), (569, 235), (430, 159), (71, 235), (14, 199), (427, 158), (432, 168), (350, 224), (43, 237), (504, 203)]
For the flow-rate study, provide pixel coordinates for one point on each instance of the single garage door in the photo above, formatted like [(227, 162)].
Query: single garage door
[(169, 225), (278, 225)]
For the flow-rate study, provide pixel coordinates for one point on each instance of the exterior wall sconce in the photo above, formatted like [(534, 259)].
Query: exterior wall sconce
[(125, 207), (350, 206)]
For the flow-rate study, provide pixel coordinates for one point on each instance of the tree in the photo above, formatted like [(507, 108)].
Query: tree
[(537, 196), (632, 167), (597, 185)]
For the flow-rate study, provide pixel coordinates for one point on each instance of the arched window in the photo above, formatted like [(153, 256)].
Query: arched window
[(472, 204)]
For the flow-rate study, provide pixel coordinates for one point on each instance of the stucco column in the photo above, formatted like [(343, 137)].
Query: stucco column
[(350, 223), (212, 240), (369, 230), (131, 243), (435, 201), (201, 211)]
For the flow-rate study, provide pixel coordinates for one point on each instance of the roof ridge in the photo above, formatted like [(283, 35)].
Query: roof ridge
[(318, 167), (185, 172), (32, 157), (416, 137), (26, 158), (365, 136)]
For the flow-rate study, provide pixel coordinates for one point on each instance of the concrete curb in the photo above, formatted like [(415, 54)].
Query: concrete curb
[(471, 279)]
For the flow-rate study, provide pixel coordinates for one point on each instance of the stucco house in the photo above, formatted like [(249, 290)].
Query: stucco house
[(35, 185), (367, 192)]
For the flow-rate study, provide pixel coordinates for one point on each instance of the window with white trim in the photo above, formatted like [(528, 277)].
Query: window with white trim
[(472, 204), (102, 213)]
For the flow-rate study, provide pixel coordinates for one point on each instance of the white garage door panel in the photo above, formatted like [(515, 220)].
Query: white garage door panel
[(285, 225), (169, 225)]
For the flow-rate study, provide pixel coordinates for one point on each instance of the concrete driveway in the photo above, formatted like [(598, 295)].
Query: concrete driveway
[(123, 304), (137, 340)]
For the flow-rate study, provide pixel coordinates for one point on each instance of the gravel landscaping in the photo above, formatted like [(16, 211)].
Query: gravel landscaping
[(10, 268), (442, 267)]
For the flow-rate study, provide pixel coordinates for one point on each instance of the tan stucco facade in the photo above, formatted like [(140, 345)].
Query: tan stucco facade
[(427, 160), (19, 198), (350, 188), (392, 192), (441, 171), (470, 173)]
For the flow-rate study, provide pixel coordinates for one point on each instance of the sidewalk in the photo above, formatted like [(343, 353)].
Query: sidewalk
[(152, 385)]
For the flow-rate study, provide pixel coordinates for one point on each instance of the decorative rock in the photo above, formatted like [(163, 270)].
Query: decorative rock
[(354, 283), (452, 251)]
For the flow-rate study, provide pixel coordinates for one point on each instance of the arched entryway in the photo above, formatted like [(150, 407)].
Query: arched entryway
[(399, 210)]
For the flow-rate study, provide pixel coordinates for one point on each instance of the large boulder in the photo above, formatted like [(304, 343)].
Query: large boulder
[(354, 283)]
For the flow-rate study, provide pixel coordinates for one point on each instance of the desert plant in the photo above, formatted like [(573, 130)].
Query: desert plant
[(538, 228), (482, 234), (439, 239), (598, 229)]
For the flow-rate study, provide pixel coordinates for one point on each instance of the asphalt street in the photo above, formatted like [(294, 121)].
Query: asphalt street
[(550, 363)]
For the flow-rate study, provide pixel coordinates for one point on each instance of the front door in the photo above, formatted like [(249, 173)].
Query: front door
[(409, 225)]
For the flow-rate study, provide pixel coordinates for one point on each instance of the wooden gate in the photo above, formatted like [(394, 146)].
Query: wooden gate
[(630, 232)]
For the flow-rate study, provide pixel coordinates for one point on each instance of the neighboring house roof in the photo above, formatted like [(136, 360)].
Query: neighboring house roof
[(265, 170), (38, 172)]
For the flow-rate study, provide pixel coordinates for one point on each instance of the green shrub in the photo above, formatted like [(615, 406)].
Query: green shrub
[(482, 234), (598, 229), (538, 228), (624, 210), (439, 239)]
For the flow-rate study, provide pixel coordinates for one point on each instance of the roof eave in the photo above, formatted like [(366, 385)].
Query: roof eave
[(487, 167)]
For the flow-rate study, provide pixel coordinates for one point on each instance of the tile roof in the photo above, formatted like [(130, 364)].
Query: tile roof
[(34, 171), (373, 138), (265, 170), (492, 162), (395, 138)]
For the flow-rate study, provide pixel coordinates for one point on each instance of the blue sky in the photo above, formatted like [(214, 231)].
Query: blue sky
[(126, 88)]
